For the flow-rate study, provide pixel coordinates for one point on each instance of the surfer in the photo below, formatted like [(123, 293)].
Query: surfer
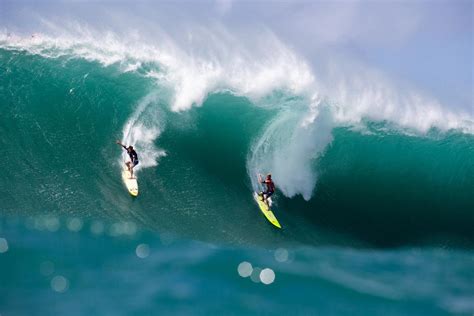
[(270, 188), (133, 158)]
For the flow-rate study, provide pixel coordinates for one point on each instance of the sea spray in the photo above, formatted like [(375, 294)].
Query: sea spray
[(282, 126), (288, 147), (142, 130)]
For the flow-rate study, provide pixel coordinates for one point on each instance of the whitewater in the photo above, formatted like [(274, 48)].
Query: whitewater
[(189, 76), (374, 178)]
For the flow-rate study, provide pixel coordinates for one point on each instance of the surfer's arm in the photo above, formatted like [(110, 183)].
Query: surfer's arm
[(118, 142)]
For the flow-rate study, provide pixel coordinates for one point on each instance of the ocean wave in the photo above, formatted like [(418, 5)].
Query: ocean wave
[(191, 73), (284, 126)]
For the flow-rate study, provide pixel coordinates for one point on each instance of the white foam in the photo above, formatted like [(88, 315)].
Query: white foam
[(212, 62), (216, 60), (208, 61), (365, 94), (287, 149), (141, 131)]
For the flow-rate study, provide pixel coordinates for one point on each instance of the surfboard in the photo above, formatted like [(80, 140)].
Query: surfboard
[(131, 184), (266, 210)]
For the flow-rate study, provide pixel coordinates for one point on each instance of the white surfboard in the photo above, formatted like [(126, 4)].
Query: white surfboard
[(130, 183)]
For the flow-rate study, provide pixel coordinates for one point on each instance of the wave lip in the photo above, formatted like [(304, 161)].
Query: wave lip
[(192, 73), (271, 76)]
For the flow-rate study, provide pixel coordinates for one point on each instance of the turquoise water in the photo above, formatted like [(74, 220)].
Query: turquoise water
[(379, 221), (103, 275)]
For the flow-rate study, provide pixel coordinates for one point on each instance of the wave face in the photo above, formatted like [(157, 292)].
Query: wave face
[(363, 173)]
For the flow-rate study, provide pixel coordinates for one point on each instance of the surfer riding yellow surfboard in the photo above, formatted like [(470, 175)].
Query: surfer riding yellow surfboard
[(264, 201), (270, 188), (133, 158)]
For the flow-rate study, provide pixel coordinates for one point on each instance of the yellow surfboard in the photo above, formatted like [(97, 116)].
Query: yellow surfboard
[(266, 211), (130, 183)]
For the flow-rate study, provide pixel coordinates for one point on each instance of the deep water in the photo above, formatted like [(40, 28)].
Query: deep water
[(387, 228)]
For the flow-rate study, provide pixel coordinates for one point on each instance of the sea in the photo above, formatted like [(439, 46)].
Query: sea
[(376, 202)]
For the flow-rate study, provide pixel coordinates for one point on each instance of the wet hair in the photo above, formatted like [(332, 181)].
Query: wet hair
[(269, 176), (130, 147)]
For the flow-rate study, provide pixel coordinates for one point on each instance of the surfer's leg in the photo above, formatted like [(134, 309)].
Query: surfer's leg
[(133, 164), (130, 167), (267, 196)]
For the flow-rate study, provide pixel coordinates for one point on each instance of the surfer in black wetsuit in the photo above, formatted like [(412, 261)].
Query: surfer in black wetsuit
[(133, 157), (270, 188)]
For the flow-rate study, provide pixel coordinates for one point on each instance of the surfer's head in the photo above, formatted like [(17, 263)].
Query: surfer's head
[(269, 176), (130, 148)]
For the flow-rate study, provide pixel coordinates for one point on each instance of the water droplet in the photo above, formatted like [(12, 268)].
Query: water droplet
[(74, 224), (59, 284), (255, 276), (267, 276), (3, 245), (142, 251), (52, 224), (281, 255), (245, 269), (97, 228)]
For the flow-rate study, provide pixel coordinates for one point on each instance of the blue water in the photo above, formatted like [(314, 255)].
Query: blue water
[(376, 219), (104, 275)]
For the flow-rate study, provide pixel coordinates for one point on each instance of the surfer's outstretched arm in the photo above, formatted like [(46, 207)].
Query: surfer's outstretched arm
[(120, 143)]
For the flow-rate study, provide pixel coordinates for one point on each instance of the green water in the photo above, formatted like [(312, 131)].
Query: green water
[(378, 193)]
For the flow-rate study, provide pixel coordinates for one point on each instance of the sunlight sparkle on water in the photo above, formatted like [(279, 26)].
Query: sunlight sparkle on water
[(281, 255), (255, 276), (97, 228), (59, 284), (123, 228), (142, 251), (39, 223), (3, 245), (52, 224), (245, 269), (74, 224), (267, 276)]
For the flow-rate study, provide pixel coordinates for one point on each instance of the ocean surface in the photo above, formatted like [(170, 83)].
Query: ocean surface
[(377, 206)]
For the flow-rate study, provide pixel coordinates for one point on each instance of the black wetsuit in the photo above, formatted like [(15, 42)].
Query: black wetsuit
[(133, 156)]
